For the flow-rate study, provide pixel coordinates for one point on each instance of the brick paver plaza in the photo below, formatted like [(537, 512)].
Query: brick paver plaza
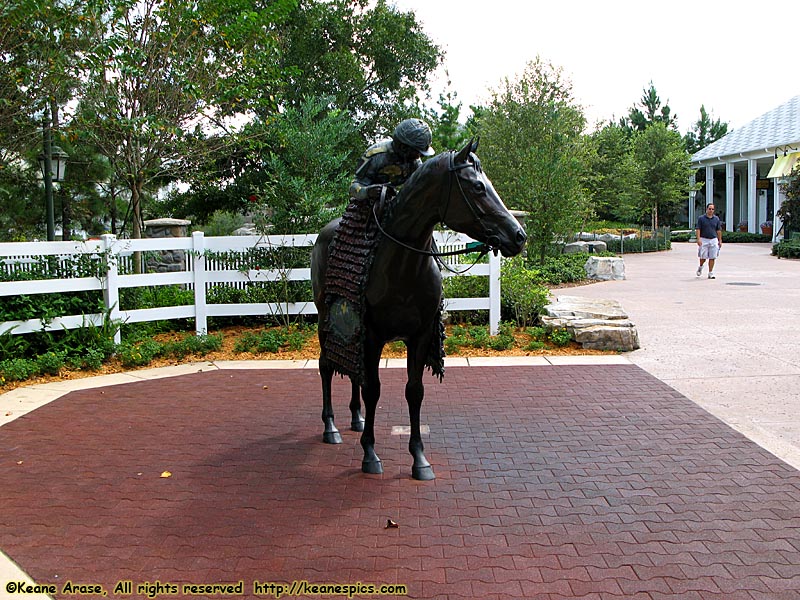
[(594, 481)]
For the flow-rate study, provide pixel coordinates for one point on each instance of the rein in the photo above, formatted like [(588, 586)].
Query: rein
[(435, 254)]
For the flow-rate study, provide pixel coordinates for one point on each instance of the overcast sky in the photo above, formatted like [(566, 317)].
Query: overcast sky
[(737, 59)]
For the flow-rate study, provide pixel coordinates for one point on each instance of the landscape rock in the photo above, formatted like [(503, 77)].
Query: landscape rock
[(594, 323), (596, 246), (605, 268), (576, 248)]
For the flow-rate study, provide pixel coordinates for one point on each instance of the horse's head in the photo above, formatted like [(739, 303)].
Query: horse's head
[(472, 205)]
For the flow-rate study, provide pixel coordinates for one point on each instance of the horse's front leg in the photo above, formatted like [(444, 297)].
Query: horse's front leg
[(371, 392), (330, 434), (415, 392), (357, 421)]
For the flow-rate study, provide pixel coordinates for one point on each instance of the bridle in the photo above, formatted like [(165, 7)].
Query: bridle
[(484, 248)]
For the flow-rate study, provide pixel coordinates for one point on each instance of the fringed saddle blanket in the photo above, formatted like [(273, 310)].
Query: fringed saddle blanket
[(349, 260)]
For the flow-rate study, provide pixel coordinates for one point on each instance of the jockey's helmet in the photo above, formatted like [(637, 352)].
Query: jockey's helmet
[(415, 134)]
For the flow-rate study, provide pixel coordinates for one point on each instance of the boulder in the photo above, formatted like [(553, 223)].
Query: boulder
[(605, 268), (576, 248), (594, 323), (597, 246)]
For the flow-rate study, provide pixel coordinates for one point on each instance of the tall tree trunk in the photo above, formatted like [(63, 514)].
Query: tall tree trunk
[(113, 209), (136, 205)]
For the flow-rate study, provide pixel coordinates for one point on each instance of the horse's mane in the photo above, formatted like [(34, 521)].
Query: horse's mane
[(411, 182)]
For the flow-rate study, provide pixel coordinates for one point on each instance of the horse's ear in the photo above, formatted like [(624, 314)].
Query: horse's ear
[(463, 154), (474, 145)]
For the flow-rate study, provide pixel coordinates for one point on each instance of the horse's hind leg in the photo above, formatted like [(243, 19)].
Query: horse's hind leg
[(330, 435), (357, 422), (372, 392), (415, 391)]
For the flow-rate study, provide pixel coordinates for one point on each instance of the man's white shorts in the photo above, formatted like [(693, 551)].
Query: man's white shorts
[(708, 248)]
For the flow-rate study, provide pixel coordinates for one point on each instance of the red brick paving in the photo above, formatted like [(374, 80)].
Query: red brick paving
[(592, 482)]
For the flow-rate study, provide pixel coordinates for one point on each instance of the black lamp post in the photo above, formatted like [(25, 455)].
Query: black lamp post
[(53, 162)]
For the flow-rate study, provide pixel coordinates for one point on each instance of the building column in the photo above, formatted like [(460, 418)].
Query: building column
[(709, 191), (779, 197), (752, 202), (729, 224)]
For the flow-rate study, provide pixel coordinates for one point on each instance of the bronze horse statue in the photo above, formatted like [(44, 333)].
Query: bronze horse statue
[(404, 289)]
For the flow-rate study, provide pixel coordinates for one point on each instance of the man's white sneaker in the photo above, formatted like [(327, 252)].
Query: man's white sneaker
[(711, 275), (699, 270)]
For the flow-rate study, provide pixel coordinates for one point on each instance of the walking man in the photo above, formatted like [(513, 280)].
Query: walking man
[(709, 240)]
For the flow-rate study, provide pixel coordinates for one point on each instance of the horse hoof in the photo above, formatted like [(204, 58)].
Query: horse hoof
[(332, 437), (357, 426), (373, 467), (423, 473)]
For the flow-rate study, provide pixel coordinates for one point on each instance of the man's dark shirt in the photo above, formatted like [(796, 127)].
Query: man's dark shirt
[(708, 226)]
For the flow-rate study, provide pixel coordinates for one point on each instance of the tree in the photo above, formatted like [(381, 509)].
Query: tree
[(704, 132), (19, 218), (304, 153), (157, 90), (612, 180), (371, 58), (654, 112), (43, 50), (448, 132), (789, 212), (663, 168), (533, 149)]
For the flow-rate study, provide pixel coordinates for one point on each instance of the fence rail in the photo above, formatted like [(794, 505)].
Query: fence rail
[(201, 272)]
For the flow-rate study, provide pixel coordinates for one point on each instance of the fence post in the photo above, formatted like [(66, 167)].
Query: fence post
[(199, 272), (494, 293), (111, 290)]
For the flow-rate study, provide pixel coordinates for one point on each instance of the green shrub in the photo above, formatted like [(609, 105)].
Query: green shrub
[(222, 222), (564, 268), (397, 346), (523, 297), (199, 345), (537, 333), (504, 339), (99, 339), (787, 249), (296, 340), (466, 286), (225, 294), (155, 296), (742, 237), (272, 340), (637, 245), (139, 354), (478, 336), (12, 346), (91, 360), (269, 340), (51, 363), (560, 337), (736, 237), (18, 369)]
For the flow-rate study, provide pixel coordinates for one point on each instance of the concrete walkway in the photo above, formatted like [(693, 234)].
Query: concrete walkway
[(731, 344)]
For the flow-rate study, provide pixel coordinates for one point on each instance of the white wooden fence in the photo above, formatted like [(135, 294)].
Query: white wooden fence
[(200, 274)]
